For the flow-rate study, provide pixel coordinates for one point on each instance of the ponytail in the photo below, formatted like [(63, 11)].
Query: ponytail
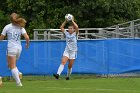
[(17, 20), (21, 22)]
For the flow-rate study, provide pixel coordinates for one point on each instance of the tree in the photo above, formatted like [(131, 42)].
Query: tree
[(87, 13)]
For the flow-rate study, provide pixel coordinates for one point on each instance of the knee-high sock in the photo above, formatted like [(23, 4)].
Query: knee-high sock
[(15, 75), (18, 71), (69, 72), (60, 69)]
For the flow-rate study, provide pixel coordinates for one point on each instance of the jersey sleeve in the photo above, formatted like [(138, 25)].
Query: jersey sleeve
[(23, 31), (4, 31), (75, 34), (65, 32)]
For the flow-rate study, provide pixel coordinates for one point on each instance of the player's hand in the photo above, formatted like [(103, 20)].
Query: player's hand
[(66, 20), (27, 46)]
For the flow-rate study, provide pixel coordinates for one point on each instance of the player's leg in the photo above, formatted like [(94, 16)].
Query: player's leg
[(19, 73), (0, 81), (17, 57), (12, 58), (14, 71), (61, 67), (72, 57), (71, 61), (63, 62)]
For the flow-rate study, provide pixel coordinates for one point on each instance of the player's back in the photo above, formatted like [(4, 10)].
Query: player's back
[(13, 35)]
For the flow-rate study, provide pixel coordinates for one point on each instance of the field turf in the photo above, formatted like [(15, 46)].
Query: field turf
[(75, 85)]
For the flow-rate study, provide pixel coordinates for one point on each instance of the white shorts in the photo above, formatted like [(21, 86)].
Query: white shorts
[(14, 52), (70, 54)]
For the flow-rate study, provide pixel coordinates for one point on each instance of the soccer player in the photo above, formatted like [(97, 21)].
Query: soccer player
[(70, 49), (14, 30)]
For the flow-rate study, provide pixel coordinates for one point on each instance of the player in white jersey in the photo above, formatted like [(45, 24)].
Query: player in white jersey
[(14, 30), (70, 51)]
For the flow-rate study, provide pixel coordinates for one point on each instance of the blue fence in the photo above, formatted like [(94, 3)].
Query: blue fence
[(112, 56)]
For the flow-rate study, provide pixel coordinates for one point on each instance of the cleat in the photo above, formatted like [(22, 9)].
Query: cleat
[(19, 85), (56, 76), (67, 78)]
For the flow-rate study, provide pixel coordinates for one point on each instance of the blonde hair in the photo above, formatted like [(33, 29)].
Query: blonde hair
[(17, 20), (21, 22)]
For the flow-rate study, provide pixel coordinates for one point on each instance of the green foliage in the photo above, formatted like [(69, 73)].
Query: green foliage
[(3, 20), (87, 13)]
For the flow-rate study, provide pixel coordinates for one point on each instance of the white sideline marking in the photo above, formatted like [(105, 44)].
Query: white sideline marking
[(65, 88), (97, 89), (131, 91)]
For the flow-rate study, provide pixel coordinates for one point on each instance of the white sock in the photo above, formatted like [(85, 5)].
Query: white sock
[(18, 71), (69, 72), (15, 75), (60, 69)]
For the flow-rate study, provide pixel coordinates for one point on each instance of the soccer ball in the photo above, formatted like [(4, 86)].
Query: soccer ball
[(68, 17)]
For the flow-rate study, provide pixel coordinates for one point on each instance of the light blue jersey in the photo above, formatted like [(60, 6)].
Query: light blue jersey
[(13, 35), (71, 41)]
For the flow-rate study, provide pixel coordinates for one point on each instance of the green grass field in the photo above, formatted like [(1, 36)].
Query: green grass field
[(75, 85)]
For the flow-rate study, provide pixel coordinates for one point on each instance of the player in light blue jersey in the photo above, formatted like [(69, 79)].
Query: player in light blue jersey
[(14, 30), (70, 51)]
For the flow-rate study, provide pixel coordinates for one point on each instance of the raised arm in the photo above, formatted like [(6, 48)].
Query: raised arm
[(75, 26), (27, 40), (62, 26)]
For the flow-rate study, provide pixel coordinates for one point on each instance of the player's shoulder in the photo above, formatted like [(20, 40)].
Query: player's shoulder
[(8, 26), (65, 31), (23, 29), (74, 33)]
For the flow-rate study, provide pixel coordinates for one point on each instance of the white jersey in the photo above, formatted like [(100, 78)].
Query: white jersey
[(71, 41), (13, 35)]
